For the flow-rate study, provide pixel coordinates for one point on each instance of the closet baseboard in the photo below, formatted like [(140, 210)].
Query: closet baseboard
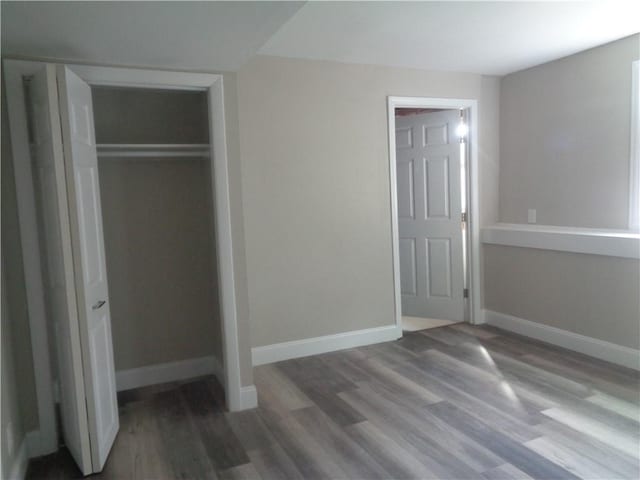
[(168, 372)]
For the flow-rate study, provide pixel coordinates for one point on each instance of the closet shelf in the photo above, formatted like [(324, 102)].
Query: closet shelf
[(153, 150)]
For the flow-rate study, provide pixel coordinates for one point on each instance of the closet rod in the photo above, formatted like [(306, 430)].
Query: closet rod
[(153, 150)]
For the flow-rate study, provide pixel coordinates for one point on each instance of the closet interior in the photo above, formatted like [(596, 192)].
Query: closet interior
[(158, 222)]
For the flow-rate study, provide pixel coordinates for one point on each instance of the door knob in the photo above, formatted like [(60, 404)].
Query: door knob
[(98, 304)]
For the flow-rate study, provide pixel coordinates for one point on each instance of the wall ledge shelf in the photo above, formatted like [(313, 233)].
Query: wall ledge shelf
[(152, 151), (612, 243)]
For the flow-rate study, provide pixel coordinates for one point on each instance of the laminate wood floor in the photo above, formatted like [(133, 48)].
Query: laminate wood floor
[(456, 402)]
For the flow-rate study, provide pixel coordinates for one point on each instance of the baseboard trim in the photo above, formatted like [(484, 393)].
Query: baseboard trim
[(610, 352), (248, 397), (169, 372), (328, 343), (20, 462), (37, 446)]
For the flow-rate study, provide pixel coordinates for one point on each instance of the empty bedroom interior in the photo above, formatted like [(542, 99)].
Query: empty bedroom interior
[(341, 240)]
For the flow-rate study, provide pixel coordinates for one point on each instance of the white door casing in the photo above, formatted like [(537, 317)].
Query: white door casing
[(429, 215), (81, 163), (53, 220)]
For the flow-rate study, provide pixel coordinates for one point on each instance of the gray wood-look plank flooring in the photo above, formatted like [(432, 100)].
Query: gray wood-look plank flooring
[(456, 402)]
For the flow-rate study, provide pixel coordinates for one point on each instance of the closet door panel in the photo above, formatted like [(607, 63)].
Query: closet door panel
[(81, 163), (53, 223)]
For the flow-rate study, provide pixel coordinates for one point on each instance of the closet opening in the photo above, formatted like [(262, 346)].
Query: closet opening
[(124, 205), (155, 179)]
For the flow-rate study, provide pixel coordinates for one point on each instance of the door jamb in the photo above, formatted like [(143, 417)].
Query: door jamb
[(45, 440), (473, 220)]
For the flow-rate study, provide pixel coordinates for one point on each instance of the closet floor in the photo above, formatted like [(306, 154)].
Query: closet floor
[(457, 402)]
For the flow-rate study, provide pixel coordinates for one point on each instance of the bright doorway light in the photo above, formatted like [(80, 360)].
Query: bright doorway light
[(462, 129)]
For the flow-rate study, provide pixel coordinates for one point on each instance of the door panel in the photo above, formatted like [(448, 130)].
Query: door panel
[(429, 214), (53, 223), (408, 266), (90, 231), (81, 163), (436, 187), (439, 267), (406, 200)]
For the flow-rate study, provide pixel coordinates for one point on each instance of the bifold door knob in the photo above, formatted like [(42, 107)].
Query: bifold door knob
[(98, 304)]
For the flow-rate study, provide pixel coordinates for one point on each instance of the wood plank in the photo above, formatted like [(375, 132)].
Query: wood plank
[(393, 458), (185, 457), (215, 434), (620, 464), (351, 458), (514, 453), (413, 437), (506, 472), (624, 441), (572, 461)]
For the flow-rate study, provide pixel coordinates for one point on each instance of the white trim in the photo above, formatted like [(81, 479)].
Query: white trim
[(328, 343), (168, 372), (612, 243), (248, 397), (142, 78), (34, 443), (20, 462), (14, 72), (224, 246), (610, 352), (634, 157), (121, 150), (475, 285), (212, 84)]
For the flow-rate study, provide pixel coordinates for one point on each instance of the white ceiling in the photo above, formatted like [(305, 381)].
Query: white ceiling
[(189, 35), (482, 37)]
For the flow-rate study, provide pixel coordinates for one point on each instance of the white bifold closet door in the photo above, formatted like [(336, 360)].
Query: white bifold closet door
[(71, 221)]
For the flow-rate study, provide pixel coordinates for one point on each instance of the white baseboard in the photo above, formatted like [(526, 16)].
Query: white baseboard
[(618, 354), (20, 462), (38, 446), (248, 397), (327, 343), (33, 441), (169, 372)]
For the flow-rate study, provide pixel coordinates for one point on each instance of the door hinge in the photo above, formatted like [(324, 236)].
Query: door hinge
[(465, 293), (464, 217)]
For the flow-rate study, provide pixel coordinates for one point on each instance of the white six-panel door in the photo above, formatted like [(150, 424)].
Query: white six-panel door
[(429, 215), (53, 222), (81, 162)]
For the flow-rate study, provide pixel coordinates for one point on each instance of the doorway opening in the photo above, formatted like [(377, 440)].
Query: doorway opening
[(434, 200)]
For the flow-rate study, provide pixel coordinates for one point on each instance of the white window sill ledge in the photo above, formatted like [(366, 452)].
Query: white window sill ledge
[(612, 243)]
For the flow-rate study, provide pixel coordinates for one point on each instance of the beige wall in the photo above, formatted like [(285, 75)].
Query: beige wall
[(162, 288), (315, 179), (592, 295), (138, 115), (564, 139), (158, 229)]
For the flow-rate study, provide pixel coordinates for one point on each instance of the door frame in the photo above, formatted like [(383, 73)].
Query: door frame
[(44, 440), (473, 221)]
